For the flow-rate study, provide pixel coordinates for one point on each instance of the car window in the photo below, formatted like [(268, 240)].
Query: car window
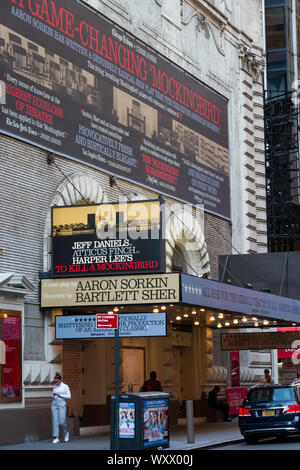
[(297, 392), (270, 395)]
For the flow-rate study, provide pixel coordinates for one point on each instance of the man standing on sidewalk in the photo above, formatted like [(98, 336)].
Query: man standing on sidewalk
[(61, 393), (217, 404)]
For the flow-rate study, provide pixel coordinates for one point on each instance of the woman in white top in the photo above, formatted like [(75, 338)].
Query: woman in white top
[(61, 393)]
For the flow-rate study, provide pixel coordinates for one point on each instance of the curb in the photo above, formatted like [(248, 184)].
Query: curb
[(219, 444), (209, 446)]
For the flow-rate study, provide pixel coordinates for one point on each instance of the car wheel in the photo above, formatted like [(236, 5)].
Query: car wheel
[(251, 440)]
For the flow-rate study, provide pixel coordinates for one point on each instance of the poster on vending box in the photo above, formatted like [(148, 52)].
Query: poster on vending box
[(126, 420), (156, 422), (78, 85)]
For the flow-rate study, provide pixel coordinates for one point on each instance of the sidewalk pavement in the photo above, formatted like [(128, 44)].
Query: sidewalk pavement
[(206, 434)]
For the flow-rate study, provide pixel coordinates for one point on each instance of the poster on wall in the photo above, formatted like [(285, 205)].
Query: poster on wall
[(289, 371), (126, 420), (156, 422), (80, 86), (107, 238), (11, 366), (235, 368), (234, 398)]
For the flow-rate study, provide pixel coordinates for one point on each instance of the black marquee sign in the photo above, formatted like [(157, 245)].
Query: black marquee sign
[(108, 238)]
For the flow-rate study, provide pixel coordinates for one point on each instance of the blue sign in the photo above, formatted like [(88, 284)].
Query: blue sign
[(221, 296), (130, 325)]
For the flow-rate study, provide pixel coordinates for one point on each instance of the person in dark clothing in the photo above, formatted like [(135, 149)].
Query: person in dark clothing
[(217, 404), (152, 385)]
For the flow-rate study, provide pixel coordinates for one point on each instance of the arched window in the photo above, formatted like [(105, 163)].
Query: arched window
[(178, 261)]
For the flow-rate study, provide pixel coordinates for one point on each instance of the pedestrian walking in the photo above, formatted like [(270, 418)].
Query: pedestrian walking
[(152, 384), (61, 393)]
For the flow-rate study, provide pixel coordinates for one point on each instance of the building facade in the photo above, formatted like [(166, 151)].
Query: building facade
[(219, 45)]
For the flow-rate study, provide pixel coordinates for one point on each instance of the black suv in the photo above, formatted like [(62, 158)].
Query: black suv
[(270, 410)]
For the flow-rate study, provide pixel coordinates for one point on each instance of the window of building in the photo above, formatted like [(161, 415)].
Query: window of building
[(277, 82), (276, 60), (10, 356), (276, 28), (273, 3)]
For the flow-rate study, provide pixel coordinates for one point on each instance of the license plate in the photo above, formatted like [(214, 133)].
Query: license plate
[(268, 413)]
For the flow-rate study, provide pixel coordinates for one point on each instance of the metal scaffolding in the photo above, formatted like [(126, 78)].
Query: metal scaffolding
[(282, 170)]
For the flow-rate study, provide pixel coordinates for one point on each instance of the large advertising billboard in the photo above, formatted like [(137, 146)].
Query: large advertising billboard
[(80, 86), (107, 238)]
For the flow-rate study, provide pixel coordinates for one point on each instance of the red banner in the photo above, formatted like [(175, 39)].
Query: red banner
[(11, 368), (288, 352), (234, 398)]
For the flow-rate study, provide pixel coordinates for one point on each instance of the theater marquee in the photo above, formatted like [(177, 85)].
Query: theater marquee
[(79, 85), (110, 290)]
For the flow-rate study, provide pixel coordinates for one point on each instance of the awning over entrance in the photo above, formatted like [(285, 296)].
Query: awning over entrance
[(189, 300)]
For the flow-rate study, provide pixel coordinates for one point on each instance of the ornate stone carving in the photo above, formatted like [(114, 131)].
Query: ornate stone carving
[(203, 24), (250, 61)]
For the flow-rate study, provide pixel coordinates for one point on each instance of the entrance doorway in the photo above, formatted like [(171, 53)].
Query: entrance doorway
[(133, 368)]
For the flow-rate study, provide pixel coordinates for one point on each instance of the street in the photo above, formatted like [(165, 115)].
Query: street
[(289, 443)]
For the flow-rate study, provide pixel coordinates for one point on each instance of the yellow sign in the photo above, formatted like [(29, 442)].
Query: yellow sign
[(110, 290)]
